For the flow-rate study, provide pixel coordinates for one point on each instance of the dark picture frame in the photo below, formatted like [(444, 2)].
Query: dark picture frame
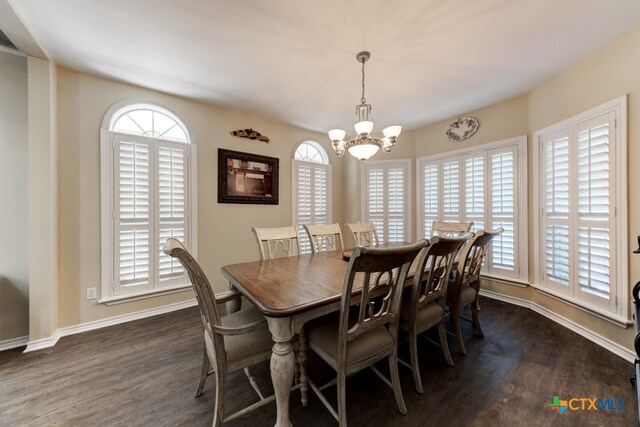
[(247, 178)]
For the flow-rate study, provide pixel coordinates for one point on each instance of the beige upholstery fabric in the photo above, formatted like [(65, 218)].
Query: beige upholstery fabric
[(430, 311), (323, 333), (467, 294), (243, 346)]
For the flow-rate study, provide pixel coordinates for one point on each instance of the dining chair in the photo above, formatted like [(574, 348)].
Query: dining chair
[(425, 308), (363, 234), (324, 237), (450, 228), (366, 333), (277, 242), (281, 242), (236, 341), (464, 287)]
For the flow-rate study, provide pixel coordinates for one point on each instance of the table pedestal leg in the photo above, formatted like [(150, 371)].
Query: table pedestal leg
[(282, 365)]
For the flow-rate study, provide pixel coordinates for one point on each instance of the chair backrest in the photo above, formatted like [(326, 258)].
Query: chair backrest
[(470, 262), (363, 234), (277, 242), (450, 229), (324, 237), (433, 268), (381, 273), (204, 294)]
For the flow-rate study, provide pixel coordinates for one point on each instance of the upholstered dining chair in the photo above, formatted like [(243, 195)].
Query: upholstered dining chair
[(450, 229), (425, 308), (324, 237), (233, 342), (464, 287), (366, 333), (277, 242), (363, 234)]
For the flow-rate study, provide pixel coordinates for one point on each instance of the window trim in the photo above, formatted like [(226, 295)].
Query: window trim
[(619, 107), (522, 210), (364, 192), (107, 195)]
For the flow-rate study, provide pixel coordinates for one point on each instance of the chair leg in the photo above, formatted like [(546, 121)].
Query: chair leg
[(342, 399), (476, 319), (221, 380), (455, 316), (203, 373), (415, 365), (395, 380), (302, 360), (444, 344)]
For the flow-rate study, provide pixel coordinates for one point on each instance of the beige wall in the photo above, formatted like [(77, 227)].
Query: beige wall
[(609, 73), (14, 268), (224, 234)]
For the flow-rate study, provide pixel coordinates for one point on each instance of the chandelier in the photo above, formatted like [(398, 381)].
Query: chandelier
[(364, 145)]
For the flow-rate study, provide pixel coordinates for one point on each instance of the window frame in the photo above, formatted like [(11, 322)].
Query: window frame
[(107, 206), (364, 192), (521, 272), (326, 164), (619, 212)]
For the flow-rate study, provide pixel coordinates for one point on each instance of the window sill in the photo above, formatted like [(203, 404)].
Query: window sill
[(513, 281), (120, 299), (613, 318)]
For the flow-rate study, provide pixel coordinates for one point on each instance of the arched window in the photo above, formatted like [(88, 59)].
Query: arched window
[(148, 196), (311, 188)]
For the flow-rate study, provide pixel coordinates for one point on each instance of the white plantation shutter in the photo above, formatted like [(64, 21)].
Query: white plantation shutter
[(579, 202), (503, 210), (387, 199), (474, 190), (172, 200), (556, 220), (451, 190), (396, 196), (133, 187), (376, 200), (594, 213), (430, 193), (312, 196)]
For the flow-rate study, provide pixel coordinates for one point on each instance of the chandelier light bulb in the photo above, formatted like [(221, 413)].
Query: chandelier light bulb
[(337, 134), (363, 128), (363, 151), (392, 131)]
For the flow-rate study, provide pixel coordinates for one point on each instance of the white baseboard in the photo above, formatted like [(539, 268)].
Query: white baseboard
[(626, 353), (13, 343), (103, 323)]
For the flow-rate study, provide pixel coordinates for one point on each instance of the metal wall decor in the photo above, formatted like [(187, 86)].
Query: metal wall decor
[(250, 133), (462, 128)]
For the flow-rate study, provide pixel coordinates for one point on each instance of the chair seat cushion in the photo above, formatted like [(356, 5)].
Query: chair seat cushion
[(428, 313), (323, 335), (243, 346), (467, 295)]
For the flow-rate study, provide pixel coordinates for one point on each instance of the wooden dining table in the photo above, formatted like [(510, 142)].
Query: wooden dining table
[(290, 292)]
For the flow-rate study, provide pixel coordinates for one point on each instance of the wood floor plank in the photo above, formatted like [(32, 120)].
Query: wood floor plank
[(145, 372)]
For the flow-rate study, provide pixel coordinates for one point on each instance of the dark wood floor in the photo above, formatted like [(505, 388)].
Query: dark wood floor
[(145, 372)]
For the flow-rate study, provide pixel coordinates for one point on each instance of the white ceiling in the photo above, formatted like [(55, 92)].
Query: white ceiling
[(294, 61)]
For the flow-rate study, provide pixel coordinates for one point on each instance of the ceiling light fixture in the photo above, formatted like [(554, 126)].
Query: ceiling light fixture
[(364, 146)]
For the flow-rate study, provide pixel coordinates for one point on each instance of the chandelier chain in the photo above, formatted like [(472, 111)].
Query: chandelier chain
[(363, 100)]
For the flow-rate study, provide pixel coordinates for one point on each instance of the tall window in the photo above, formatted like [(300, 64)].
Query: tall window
[(147, 197), (482, 184), (387, 198), (311, 188), (581, 186)]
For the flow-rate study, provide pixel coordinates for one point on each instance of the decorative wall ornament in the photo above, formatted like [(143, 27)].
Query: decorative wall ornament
[(462, 128), (250, 133)]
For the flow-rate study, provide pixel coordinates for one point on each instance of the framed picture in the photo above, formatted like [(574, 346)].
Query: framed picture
[(247, 178)]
